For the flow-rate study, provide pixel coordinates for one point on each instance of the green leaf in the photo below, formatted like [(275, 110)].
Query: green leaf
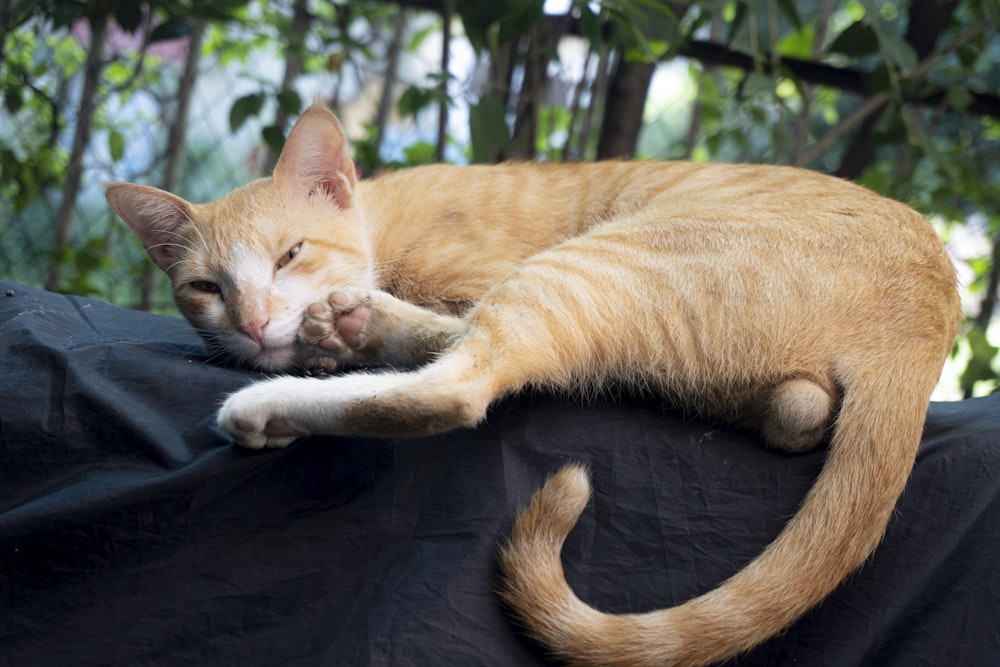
[(900, 52), (243, 108), (488, 128), (274, 137), (524, 16), (890, 130), (739, 19), (116, 144), (170, 29), (128, 15), (417, 38), (589, 25), (414, 99), (798, 44), (478, 18), (12, 99), (980, 363), (640, 48), (217, 10), (421, 152), (118, 72), (879, 79), (65, 14), (968, 54), (857, 40), (756, 83), (959, 97), (787, 8), (991, 10), (290, 102)]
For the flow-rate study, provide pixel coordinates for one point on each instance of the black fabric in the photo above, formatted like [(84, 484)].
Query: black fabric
[(132, 531)]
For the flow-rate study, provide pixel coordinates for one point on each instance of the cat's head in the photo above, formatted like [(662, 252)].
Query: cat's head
[(245, 267)]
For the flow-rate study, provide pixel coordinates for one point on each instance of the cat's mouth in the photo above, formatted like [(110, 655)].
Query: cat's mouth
[(269, 357)]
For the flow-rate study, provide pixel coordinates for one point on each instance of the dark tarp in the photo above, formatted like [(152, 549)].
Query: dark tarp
[(132, 531)]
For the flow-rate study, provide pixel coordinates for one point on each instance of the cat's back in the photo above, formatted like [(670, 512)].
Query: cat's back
[(485, 220), (604, 188)]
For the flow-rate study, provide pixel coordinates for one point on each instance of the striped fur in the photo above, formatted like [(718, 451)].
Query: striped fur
[(784, 301)]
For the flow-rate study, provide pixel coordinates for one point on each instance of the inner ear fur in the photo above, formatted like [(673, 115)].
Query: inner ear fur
[(154, 215), (316, 158)]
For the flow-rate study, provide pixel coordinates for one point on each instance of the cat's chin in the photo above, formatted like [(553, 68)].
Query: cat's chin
[(276, 359)]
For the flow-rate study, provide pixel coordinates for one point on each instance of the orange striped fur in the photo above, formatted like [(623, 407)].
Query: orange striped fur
[(787, 302)]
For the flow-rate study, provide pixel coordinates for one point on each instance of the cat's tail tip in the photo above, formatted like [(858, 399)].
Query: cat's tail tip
[(534, 585), (554, 509)]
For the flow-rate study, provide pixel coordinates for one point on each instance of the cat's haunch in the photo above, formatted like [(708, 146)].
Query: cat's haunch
[(799, 306)]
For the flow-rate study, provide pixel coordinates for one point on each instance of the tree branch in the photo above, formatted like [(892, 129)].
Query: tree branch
[(81, 139), (843, 78), (868, 112), (442, 138)]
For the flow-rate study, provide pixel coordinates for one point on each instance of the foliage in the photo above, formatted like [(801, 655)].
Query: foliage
[(936, 156), (311, 37), (33, 159), (900, 96)]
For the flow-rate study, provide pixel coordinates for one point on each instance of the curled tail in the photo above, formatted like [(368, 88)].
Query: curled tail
[(839, 524)]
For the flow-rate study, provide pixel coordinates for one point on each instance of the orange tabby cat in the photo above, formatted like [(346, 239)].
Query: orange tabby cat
[(795, 304)]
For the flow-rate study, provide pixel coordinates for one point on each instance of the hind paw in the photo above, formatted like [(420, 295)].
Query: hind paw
[(339, 325), (368, 327)]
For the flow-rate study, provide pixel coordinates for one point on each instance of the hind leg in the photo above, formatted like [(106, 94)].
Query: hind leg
[(797, 415)]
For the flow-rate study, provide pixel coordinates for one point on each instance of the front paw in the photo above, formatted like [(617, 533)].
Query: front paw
[(254, 418)]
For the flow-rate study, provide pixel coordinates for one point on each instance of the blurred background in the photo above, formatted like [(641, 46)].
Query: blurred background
[(196, 97)]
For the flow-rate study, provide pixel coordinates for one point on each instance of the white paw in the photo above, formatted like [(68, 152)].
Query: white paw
[(262, 415)]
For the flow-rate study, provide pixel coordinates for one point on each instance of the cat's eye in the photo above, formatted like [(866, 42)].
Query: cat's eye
[(205, 286), (289, 256)]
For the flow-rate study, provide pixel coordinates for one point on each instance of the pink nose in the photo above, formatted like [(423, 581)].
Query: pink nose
[(255, 329)]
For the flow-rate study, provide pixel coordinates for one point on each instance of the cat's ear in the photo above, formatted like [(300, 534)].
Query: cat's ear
[(316, 158), (154, 216)]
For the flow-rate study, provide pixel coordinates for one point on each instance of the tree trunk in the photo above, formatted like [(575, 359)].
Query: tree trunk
[(176, 145), (927, 19), (623, 107), (568, 151), (992, 283), (442, 138), (542, 42), (81, 139), (389, 78), (800, 132), (523, 137), (597, 96), (301, 19)]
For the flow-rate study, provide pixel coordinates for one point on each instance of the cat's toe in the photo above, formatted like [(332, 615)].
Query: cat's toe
[(319, 328), (341, 321), (351, 325), (244, 431), (280, 433), (251, 425), (321, 365), (345, 300)]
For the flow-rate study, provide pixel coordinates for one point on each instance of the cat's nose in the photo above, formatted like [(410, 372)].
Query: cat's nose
[(255, 329)]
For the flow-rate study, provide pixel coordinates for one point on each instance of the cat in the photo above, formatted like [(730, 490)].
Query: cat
[(800, 306)]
